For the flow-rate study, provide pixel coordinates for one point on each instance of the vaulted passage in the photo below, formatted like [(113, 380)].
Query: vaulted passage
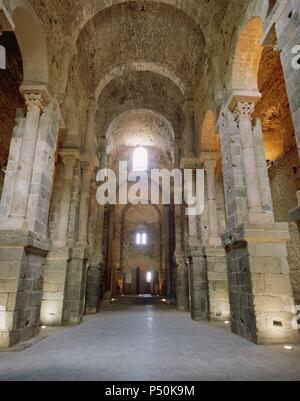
[(150, 176)]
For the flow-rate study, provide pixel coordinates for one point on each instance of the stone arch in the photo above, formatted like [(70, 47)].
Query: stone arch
[(247, 56), (160, 121), (118, 70), (208, 141), (32, 42), (86, 10)]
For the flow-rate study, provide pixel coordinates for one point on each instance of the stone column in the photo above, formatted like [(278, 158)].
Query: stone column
[(167, 245), (210, 169), (56, 269), (91, 144), (189, 129), (69, 161), (95, 257), (182, 278), (35, 105), (87, 171), (243, 112)]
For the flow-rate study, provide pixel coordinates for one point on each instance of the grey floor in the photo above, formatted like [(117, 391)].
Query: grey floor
[(147, 343)]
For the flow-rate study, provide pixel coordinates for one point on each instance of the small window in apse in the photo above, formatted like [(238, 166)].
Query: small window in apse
[(140, 159), (148, 277)]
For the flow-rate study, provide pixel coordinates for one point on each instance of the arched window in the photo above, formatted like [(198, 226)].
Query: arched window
[(140, 159), (141, 238), (148, 277), (2, 58), (144, 239), (138, 240)]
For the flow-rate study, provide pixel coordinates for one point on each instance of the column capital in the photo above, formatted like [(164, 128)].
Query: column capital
[(69, 159), (205, 156), (210, 166), (240, 96), (35, 95), (244, 111)]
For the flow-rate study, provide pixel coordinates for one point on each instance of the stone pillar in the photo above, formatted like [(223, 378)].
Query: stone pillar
[(87, 171), (69, 160), (198, 281), (243, 112), (35, 105), (23, 242), (213, 251), (77, 271), (94, 271), (189, 129), (182, 278), (260, 292), (58, 260), (210, 169), (167, 245), (91, 144)]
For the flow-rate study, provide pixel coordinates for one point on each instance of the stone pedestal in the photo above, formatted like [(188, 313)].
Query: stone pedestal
[(55, 286), (261, 298), (22, 259), (76, 287), (198, 280), (216, 268), (182, 284)]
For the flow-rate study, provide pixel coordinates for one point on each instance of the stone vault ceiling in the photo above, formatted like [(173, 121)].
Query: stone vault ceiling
[(141, 90), (140, 31)]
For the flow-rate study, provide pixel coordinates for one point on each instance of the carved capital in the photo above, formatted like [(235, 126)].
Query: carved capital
[(69, 162), (33, 101), (210, 166), (244, 111)]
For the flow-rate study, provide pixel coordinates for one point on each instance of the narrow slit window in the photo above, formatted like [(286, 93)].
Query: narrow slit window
[(140, 159), (148, 277)]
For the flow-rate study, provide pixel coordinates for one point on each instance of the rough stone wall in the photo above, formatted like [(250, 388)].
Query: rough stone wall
[(283, 180)]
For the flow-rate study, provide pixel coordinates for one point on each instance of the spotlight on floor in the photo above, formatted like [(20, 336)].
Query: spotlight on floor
[(227, 322), (288, 348), (113, 300), (164, 300), (43, 327)]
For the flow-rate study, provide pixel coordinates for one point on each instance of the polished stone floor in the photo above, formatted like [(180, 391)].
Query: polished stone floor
[(135, 342)]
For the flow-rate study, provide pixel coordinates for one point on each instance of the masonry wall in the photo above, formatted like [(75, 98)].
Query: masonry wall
[(283, 180)]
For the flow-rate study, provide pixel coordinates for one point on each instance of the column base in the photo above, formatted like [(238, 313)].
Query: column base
[(261, 298), (22, 258), (76, 287), (54, 286), (216, 267)]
